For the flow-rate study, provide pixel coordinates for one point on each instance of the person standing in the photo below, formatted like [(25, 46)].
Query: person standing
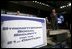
[(54, 24)]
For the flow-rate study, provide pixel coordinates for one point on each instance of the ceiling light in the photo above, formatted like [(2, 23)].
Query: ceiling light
[(40, 3), (46, 5), (61, 7), (33, 1), (69, 4), (64, 6), (37, 2), (43, 4)]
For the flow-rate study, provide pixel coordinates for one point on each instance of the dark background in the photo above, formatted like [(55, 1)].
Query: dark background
[(29, 7)]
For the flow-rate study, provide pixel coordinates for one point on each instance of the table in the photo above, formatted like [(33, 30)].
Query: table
[(56, 32), (59, 35)]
